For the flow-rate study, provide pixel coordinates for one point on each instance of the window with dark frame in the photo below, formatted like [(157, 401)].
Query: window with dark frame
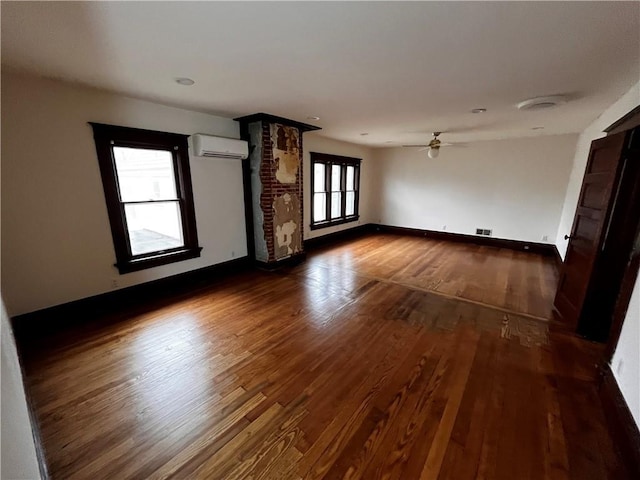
[(147, 187), (335, 185)]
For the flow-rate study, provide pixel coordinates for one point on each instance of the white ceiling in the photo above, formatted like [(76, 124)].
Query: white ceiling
[(394, 70)]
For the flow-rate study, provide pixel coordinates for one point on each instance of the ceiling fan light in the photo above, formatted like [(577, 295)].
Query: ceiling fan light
[(433, 152)]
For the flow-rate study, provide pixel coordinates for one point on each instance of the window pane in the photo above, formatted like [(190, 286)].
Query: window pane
[(319, 207), (350, 178), (318, 177), (351, 203), (144, 174), (335, 179), (336, 205), (154, 226)]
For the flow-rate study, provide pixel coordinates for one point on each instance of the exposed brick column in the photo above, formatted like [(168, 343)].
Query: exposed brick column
[(277, 196)]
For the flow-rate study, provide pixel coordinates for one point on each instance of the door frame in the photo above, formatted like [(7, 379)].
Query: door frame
[(631, 256), (572, 308), (630, 121), (624, 298)]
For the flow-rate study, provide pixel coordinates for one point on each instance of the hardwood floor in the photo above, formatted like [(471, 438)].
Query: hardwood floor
[(506, 279), (359, 363)]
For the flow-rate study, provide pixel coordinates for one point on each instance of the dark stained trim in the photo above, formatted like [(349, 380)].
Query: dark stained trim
[(266, 117), (534, 247), (622, 302), (628, 250), (329, 159), (108, 136), (246, 189), (291, 261), (557, 257), (41, 323), (621, 423), (338, 237), (627, 122), (362, 230)]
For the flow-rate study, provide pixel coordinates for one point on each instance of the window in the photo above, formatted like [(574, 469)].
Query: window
[(147, 186), (335, 183)]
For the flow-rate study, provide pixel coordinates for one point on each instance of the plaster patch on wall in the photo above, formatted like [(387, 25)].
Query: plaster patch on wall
[(286, 152), (287, 238), (255, 160)]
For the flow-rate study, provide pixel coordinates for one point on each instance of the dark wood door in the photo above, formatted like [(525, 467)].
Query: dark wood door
[(590, 224)]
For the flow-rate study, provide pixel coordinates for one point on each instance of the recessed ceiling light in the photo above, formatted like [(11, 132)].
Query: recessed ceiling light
[(184, 81), (479, 110), (537, 128), (313, 117), (364, 133), (538, 103)]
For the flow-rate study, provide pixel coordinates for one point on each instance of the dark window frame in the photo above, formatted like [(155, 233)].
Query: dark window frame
[(108, 136), (329, 160)]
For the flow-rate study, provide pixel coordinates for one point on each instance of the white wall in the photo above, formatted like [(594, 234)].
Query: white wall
[(313, 142), (514, 187), (19, 460), (626, 360), (56, 244), (616, 111)]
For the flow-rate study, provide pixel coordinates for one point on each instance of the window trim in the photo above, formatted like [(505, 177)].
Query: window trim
[(108, 136), (328, 160)]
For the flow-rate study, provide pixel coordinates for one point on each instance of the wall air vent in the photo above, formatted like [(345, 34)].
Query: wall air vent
[(483, 231)]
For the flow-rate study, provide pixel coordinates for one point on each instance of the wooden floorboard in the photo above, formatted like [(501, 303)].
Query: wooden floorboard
[(385, 357)]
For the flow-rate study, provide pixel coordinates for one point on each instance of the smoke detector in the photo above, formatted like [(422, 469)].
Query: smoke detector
[(539, 103)]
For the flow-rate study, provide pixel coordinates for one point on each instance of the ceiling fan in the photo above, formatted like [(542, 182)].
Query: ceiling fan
[(433, 147)]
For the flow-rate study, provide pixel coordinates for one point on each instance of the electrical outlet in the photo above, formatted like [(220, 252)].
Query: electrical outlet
[(545, 238), (233, 254), (444, 227), (114, 283)]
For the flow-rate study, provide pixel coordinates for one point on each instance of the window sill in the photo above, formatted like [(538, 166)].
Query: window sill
[(333, 223), (136, 264)]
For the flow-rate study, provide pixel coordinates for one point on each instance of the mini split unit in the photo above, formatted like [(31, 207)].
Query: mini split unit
[(218, 147)]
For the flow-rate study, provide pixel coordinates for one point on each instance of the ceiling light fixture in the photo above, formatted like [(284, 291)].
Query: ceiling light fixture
[(434, 146), (433, 152), (184, 81), (479, 110), (539, 103), (313, 117)]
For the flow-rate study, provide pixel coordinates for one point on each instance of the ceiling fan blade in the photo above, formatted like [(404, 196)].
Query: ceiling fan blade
[(414, 146), (454, 145)]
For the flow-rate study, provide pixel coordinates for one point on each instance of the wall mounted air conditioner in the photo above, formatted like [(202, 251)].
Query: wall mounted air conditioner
[(219, 147)]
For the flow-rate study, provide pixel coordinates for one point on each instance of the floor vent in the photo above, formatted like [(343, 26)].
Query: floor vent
[(483, 231)]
